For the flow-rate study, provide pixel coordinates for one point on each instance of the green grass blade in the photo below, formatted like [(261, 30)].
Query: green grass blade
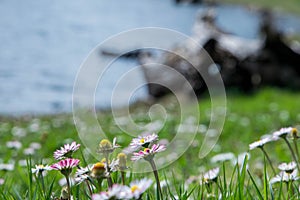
[(224, 179), (29, 166), (255, 186), (51, 188), (242, 176), (168, 187), (232, 177), (266, 196)]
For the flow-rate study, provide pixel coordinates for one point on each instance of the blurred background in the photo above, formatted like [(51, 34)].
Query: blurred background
[(43, 43), (254, 45)]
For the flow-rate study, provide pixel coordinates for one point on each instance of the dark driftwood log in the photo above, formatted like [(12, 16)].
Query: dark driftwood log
[(269, 61), (243, 64)]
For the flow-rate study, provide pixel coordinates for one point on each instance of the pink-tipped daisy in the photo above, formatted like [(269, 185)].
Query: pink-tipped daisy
[(143, 141), (40, 169), (66, 151), (65, 166), (148, 153)]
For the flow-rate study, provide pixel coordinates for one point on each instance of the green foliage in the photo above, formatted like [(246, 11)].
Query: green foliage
[(292, 6), (248, 118)]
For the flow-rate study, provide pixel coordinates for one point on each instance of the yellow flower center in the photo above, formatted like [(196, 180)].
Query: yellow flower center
[(134, 188), (41, 166), (98, 169), (142, 140), (146, 150), (99, 166)]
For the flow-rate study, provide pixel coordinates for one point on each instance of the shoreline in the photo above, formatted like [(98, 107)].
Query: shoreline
[(231, 94)]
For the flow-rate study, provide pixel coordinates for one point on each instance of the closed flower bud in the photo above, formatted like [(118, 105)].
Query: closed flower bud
[(105, 144), (106, 147), (294, 133), (122, 161)]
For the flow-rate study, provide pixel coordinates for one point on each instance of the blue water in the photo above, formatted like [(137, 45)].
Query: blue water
[(44, 42)]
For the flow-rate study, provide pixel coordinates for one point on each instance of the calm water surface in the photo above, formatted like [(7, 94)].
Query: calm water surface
[(44, 42)]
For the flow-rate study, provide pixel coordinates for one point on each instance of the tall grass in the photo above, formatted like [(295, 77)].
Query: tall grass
[(248, 118)]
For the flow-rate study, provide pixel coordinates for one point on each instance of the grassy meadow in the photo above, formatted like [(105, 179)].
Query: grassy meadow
[(31, 140), (289, 6)]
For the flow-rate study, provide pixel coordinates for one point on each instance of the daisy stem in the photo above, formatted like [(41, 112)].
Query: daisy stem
[(89, 187), (296, 148), (100, 184), (123, 177), (109, 180), (69, 188), (289, 191), (219, 186), (208, 187), (41, 177), (269, 160), (152, 163), (293, 153)]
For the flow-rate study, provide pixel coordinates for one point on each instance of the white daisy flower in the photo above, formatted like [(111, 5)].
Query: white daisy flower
[(115, 192), (211, 175), (287, 167), (13, 144), (7, 167), (66, 151), (283, 132), (35, 145), (260, 143), (143, 141), (82, 174), (285, 177), (137, 188), (22, 163), (40, 169), (101, 196), (29, 151), (18, 132), (222, 157)]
